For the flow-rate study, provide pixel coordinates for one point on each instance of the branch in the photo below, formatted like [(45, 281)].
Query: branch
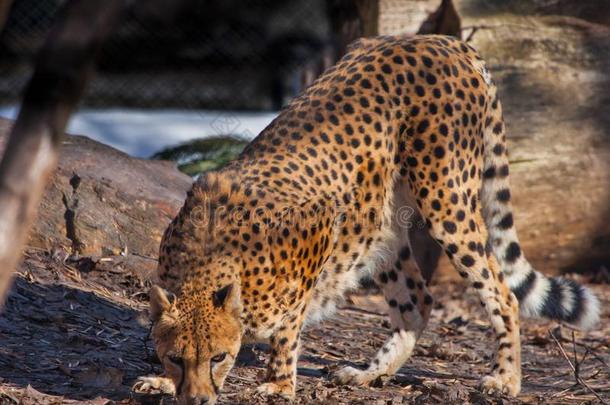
[(64, 65), (5, 8), (575, 368)]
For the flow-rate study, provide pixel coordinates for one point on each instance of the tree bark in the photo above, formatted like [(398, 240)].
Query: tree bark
[(5, 8), (63, 67), (444, 21)]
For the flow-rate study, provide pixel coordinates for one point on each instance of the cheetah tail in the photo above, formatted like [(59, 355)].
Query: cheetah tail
[(538, 295)]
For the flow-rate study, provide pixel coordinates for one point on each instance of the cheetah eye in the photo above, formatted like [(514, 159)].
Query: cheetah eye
[(218, 358)]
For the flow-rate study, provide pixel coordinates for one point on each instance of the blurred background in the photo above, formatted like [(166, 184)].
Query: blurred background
[(195, 86)]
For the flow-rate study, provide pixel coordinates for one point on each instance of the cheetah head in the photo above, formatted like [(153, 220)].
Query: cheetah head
[(197, 337)]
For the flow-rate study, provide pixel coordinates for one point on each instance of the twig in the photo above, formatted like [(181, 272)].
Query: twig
[(591, 351), (475, 28), (579, 381), (145, 257)]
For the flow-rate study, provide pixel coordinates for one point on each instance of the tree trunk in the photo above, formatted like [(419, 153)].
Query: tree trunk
[(5, 8), (62, 69)]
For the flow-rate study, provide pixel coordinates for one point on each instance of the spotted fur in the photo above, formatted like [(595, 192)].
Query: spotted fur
[(324, 195)]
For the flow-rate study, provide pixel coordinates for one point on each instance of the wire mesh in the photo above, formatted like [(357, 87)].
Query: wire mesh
[(238, 54)]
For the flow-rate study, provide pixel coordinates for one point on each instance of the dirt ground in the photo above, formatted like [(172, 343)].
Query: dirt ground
[(77, 332)]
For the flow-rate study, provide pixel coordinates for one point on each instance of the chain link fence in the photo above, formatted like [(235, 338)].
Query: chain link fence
[(230, 54)]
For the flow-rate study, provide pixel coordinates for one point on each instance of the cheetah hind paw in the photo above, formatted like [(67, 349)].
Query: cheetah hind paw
[(149, 384), (352, 376)]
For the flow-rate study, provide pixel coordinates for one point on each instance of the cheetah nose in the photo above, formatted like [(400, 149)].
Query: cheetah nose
[(204, 400)]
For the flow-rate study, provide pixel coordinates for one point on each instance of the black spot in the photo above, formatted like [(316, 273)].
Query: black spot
[(490, 173), (439, 152), (419, 145), (497, 128), (513, 251), (452, 248), (405, 253), (443, 129), (448, 109), (461, 215), (423, 126), (467, 260), (498, 149), (503, 195), (506, 222), (450, 227)]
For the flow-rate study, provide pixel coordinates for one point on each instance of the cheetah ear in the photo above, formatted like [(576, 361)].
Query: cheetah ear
[(228, 298), (220, 296), (161, 301)]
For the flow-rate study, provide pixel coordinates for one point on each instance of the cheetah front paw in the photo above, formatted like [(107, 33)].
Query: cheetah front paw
[(150, 384), (352, 376), (502, 384), (284, 390)]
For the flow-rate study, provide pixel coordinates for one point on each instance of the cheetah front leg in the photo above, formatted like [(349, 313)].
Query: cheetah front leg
[(282, 368), (409, 309), (147, 384)]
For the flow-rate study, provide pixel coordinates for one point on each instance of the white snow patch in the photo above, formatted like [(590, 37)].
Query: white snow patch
[(141, 133)]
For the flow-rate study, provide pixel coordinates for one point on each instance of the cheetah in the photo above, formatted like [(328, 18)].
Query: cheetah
[(316, 201)]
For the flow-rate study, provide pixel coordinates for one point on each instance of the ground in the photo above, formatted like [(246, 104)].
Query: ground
[(77, 332)]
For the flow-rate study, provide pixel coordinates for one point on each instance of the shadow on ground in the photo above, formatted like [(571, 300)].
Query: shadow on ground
[(78, 333), (70, 342)]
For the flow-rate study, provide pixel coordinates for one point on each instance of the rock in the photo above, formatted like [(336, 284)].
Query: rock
[(552, 77), (102, 202), (551, 71)]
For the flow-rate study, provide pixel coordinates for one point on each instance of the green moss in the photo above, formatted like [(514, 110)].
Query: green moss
[(202, 155)]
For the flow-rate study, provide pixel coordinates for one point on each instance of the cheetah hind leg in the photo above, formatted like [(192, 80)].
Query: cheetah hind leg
[(149, 384), (409, 309)]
